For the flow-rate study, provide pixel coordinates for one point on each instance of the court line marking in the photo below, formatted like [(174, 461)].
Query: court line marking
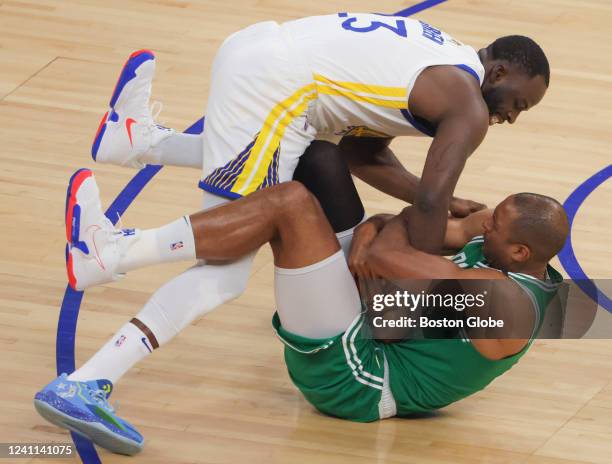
[(29, 78), (567, 257), (414, 9), (71, 303)]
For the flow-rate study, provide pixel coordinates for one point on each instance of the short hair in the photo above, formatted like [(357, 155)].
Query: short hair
[(541, 224), (524, 52)]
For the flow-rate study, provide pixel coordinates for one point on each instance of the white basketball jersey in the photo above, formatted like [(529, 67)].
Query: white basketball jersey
[(365, 65)]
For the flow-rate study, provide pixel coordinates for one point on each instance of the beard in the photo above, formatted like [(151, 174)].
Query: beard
[(489, 256), (493, 98)]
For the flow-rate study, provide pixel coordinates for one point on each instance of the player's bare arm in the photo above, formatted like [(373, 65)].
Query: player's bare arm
[(392, 257), (451, 100), (519, 319), (363, 236), (372, 160), (459, 231)]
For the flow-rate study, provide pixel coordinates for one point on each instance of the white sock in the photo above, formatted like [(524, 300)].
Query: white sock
[(169, 243), (179, 149), (126, 348)]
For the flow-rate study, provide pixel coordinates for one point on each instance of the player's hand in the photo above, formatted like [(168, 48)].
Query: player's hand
[(461, 208), (363, 237)]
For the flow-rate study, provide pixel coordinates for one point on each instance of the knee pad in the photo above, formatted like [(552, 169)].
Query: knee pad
[(323, 170)]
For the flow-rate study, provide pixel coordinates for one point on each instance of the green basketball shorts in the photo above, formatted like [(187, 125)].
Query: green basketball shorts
[(345, 376)]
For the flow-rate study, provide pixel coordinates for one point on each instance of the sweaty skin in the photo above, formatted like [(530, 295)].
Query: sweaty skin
[(289, 218), (371, 160), (452, 101), (390, 255)]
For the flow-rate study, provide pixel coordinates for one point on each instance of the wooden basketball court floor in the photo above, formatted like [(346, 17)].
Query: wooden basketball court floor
[(219, 393)]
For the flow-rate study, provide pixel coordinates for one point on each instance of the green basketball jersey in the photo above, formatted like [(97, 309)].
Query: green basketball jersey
[(430, 374)]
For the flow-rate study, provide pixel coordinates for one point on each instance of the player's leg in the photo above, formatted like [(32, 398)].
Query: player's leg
[(196, 292), (289, 218), (199, 290), (99, 253), (174, 306), (170, 309), (317, 300), (166, 312), (324, 172), (329, 353), (271, 75), (286, 215), (128, 134), (330, 358), (254, 137)]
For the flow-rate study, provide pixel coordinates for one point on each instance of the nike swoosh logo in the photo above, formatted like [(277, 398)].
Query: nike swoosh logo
[(93, 240), (128, 126), (144, 342), (102, 414)]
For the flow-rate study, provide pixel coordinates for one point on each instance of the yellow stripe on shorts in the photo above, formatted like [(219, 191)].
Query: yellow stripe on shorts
[(269, 138)]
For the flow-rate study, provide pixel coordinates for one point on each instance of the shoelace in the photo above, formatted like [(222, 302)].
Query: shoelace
[(119, 223), (155, 109), (149, 125), (99, 396), (112, 233)]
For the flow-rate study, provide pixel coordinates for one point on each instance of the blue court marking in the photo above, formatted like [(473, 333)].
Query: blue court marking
[(414, 9), (567, 256), (69, 311)]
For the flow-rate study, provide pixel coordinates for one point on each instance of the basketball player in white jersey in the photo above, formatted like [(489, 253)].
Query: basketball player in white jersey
[(274, 89)]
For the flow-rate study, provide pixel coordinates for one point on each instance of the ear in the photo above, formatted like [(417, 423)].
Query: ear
[(497, 73), (521, 253)]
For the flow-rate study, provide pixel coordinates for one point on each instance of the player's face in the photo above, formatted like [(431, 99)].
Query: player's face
[(509, 92), (498, 247)]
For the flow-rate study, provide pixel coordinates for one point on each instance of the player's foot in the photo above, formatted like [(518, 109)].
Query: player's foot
[(128, 131), (83, 407), (92, 253)]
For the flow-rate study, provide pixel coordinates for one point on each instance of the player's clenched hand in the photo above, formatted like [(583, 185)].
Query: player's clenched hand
[(362, 239), (461, 208)]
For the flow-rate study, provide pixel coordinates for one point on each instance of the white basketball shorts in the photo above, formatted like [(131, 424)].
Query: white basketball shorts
[(256, 125)]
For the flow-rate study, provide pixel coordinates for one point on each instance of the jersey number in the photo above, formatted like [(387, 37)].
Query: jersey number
[(399, 28), (460, 259)]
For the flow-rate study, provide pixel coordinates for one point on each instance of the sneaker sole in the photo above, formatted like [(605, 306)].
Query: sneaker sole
[(72, 214), (93, 431), (127, 74)]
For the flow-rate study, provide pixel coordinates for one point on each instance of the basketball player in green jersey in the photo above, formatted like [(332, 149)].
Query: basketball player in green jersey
[(319, 316)]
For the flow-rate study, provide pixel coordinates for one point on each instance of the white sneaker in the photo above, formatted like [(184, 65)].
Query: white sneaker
[(128, 130), (92, 253)]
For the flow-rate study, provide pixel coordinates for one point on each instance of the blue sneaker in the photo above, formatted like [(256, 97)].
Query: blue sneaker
[(82, 407)]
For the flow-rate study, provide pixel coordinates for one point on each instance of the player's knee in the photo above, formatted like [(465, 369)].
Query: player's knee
[(293, 203), (290, 203), (297, 199)]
